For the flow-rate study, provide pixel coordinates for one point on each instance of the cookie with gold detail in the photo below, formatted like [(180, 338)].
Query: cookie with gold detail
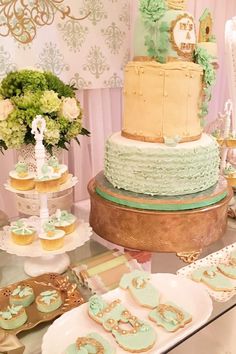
[(140, 336), (170, 316), (214, 279), (139, 286), (91, 343)]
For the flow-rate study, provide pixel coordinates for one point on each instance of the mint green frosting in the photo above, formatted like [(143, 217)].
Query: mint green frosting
[(21, 167), (49, 296), (228, 270), (10, 312), (63, 218), (229, 169), (22, 295), (88, 348), (12, 318), (53, 162), (22, 291), (170, 319), (152, 10), (213, 278), (155, 169), (143, 339), (143, 292), (51, 301), (21, 228)]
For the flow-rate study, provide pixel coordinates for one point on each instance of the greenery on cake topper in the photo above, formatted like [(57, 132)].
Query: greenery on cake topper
[(202, 58), (27, 93), (152, 11)]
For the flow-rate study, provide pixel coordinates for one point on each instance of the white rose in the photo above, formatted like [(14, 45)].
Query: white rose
[(70, 108), (6, 107)]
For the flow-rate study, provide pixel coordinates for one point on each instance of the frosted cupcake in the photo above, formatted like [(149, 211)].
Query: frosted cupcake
[(21, 233), (12, 317), (48, 180), (59, 168), (65, 221), (21, 178), (48, 301), (22, 295), (230, 174), (52, 239)]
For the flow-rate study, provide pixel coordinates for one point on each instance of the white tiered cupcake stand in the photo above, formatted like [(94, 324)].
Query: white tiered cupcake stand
[(39, 261)]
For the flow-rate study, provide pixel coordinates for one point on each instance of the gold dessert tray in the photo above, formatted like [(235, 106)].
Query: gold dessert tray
[(70, 295)]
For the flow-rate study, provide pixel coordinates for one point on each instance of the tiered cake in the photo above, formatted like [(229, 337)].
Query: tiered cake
[(160, 190)]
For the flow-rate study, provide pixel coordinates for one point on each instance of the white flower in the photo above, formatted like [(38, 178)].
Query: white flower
[(70, 108), (6, 107)]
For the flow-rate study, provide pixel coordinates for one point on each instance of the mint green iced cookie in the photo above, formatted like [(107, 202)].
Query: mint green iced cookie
[(140, 337), (93, 343), (144, 293), (170, 316), (212, 278)]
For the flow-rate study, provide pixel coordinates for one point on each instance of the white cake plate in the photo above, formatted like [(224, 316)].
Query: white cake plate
[(39, 261), (71, 182)]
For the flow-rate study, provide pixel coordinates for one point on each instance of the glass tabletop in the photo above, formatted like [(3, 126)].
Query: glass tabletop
[(12, 270)]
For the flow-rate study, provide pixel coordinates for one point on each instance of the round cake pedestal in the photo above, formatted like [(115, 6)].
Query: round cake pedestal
[(46, 264), (158, 231)]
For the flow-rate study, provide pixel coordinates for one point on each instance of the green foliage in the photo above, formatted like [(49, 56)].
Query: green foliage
[(27, 93), (202, 58)]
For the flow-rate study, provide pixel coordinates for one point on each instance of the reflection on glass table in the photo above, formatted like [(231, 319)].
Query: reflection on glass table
[(11, 268)]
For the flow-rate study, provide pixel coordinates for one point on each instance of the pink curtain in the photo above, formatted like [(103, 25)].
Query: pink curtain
[(103, 107)]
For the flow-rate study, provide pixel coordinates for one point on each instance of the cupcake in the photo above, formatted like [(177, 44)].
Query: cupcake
[(12, 317), (21, 233), (48, 180), (58, 168), (231, 140), (65, 221), (48, 301), (20, 178), (22, 295), (52, 239), (230, 174)]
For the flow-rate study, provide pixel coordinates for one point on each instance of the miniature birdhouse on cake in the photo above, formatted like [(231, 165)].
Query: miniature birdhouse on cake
[(205, 28)]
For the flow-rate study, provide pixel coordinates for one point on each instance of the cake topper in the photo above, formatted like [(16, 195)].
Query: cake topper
[(176, 4), (205, 28)]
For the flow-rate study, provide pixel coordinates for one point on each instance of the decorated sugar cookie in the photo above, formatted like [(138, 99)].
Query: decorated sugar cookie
[(229, 269), (212, 278), (139, 287), (140, 337), (170, 317), (92, 343)]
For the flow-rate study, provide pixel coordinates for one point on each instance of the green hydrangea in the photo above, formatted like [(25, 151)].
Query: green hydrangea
[(74, 129), (152, 10), (52, 134), (12, 132), (49, 102), (33, 93)]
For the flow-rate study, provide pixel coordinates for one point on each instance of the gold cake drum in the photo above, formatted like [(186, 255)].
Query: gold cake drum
[(158, 231), (163, 203)]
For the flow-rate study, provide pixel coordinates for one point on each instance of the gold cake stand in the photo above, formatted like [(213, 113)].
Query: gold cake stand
[(183, 232)]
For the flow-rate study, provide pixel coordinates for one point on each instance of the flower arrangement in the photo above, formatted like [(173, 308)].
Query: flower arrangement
[(27, 93)]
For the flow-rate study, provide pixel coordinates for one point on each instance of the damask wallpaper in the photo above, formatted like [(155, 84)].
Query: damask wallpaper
[(84, 42)]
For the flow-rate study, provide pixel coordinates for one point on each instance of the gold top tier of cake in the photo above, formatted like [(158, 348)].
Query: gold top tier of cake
[(176, 4), (162, 101)]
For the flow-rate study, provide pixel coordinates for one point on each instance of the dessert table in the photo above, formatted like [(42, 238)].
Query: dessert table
[(12, 270)]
